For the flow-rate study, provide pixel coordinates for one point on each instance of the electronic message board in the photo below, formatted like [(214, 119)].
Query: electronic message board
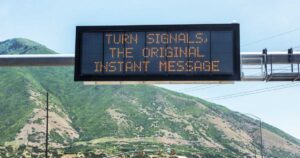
[(158, 53)]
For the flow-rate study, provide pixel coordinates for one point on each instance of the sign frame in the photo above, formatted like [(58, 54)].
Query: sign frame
[(236, 76)]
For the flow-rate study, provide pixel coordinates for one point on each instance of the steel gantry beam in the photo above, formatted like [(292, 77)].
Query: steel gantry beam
[(255, 66), (37, 60), (276, 66)]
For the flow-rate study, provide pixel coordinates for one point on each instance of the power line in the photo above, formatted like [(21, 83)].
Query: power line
[(238, 93), (297, 46), (257, 91), (196, 88), (184, 89), (294, 47), (203, 88), (271, 37), (246, 92)]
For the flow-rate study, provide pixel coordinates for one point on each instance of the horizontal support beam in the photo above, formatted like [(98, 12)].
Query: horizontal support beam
[(37, 60), (154, 82), (68, 59), (255, 59)]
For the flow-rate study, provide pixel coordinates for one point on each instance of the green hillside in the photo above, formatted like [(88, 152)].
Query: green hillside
[(23, 46), (122, 120)]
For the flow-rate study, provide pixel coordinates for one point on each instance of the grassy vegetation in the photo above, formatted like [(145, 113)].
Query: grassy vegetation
[(281, 133), (87, 107), (144, 110), (23, 46), (15, 106), (55, 137)]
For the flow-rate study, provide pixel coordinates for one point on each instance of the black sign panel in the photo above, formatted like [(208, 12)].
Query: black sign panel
[(158, 53)]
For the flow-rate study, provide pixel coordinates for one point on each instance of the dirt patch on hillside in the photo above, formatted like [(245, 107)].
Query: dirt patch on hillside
[(118, 117), (272, 140), (172, 141), (229, 130), (33, 132), (232, 133), (169, 134)]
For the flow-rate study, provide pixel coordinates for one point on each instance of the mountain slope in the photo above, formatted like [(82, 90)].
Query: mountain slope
[(23, 46), (118, 119)]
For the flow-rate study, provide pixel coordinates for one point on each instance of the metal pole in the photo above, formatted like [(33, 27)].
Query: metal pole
[(47, 117), (260, 129), (260, 133), (271, 64), (261, 139), (298, 72), (266, 64)]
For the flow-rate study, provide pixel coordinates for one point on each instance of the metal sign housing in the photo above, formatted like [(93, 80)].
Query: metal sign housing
[(206, 52)]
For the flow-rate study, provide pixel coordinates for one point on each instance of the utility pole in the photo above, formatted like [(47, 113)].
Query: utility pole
[(261, 139), (260, 130), (253, 143), (47, 117)]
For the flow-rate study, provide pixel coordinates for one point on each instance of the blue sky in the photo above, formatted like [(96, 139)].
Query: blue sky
[(52, 23)]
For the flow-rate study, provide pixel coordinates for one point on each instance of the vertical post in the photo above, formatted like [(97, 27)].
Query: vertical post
[(265, 61), (261, 140), (298, 77), (290, 55), (260, 128), (292, 64), (271, 64), (47, 117)]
